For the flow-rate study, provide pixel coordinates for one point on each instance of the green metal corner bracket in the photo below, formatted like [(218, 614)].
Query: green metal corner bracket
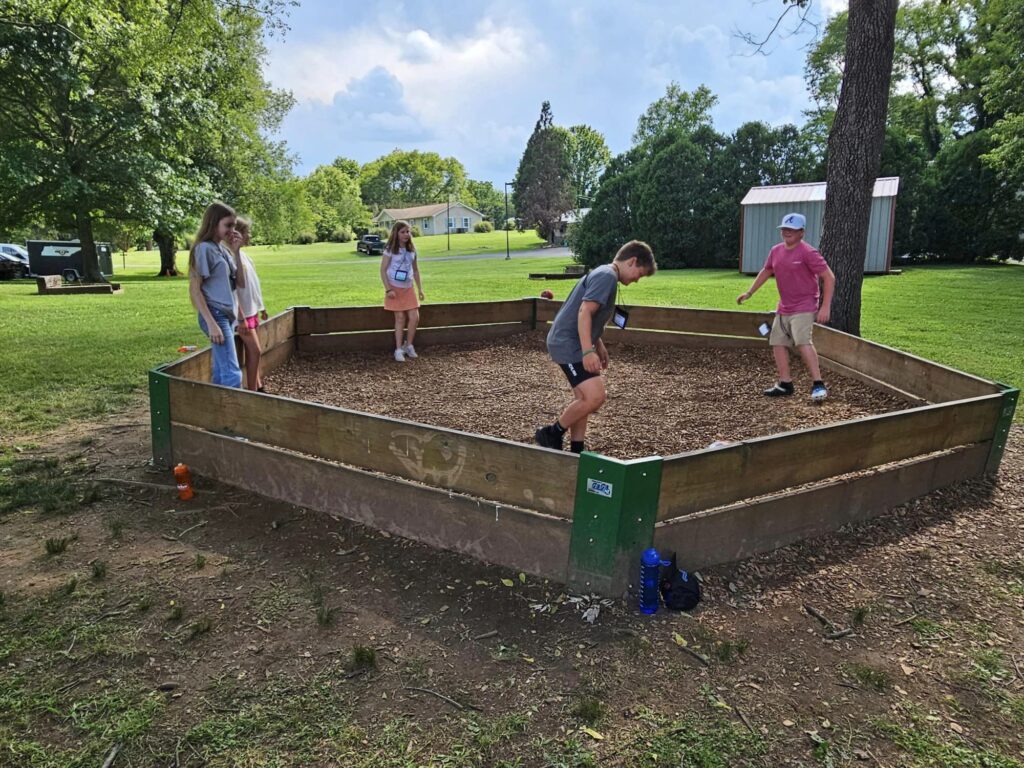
[(160, 417), (1002, 431), (613, 521)]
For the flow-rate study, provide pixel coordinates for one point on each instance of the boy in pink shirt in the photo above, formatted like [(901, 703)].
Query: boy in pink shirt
[(797, 268)]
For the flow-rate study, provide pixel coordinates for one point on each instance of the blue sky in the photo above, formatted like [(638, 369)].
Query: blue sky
[(466, 78)]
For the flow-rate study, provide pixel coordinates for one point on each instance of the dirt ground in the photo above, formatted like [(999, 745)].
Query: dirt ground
[(660, 400), (232, 630)]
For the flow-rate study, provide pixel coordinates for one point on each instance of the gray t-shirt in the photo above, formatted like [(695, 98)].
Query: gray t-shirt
[(215, 266), (564, 336)]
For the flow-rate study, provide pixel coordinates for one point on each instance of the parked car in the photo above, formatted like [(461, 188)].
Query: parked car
[(370, 245), (13, 261)]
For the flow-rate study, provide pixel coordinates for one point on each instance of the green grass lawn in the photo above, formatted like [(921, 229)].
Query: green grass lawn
[(74, 357), (322, 254)]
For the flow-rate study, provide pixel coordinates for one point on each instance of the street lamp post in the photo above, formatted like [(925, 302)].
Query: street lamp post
[(508, 184)]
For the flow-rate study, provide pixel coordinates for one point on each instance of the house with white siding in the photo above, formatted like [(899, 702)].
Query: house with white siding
[(433, 219)]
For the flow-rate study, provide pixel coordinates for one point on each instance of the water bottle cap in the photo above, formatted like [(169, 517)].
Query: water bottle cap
[(650, 557)]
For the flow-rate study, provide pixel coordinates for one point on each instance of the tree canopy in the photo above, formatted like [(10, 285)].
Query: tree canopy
[(138, 111)]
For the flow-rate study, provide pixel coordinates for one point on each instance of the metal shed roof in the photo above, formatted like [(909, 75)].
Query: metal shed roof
[(886, 186)]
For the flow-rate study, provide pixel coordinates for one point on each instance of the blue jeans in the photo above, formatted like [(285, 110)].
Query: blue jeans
[(225, 357)]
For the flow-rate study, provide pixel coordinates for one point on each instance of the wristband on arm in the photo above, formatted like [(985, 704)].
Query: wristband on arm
[(591, 351)]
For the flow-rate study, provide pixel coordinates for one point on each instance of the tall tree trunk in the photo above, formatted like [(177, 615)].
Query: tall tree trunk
[(855, 152), (165, 242), (90, 260)]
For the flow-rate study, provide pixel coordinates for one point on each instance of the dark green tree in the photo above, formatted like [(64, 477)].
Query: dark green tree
[(127, 111), (543, 182)]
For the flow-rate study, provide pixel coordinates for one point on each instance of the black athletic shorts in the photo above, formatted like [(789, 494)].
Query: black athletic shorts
[(576, 373)]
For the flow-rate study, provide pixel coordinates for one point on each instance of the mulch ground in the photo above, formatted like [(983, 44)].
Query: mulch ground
[(660, 400)]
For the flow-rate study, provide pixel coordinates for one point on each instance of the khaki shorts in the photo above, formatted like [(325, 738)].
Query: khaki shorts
[(792, 330)]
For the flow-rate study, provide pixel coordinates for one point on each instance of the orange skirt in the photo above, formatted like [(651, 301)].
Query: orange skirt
[(404, 300)]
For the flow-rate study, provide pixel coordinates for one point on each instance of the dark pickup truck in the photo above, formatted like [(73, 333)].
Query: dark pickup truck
[(370, 245)]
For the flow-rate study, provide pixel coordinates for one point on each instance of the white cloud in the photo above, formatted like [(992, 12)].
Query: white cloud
[(831, 7)]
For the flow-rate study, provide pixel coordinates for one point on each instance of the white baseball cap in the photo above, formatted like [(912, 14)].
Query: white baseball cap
[(793, 221)]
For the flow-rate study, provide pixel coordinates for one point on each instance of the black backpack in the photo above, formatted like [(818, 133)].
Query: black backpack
[(680, 590)]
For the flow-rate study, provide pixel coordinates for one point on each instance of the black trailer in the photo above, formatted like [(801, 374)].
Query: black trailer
[(61, 257)]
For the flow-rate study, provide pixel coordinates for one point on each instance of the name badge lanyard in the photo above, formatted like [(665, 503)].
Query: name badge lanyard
[(620, 316), (402, 271)]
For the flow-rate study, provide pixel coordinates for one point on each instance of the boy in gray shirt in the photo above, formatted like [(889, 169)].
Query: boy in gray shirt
[(574, 341)]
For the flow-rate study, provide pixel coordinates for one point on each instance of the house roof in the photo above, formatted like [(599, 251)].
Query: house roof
[(421, 211), (886, 186)]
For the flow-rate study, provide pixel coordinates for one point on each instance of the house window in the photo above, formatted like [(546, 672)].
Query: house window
[(451, 222), (426, 223), (465, 222)]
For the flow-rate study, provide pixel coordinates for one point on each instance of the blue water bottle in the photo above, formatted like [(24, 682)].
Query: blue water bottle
[(650, 573)]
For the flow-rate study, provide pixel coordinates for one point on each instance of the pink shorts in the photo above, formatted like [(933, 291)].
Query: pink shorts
[(252, 322)]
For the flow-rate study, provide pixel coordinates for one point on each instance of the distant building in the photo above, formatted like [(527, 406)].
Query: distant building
[(567, 220), (763, 209), (433, 219)]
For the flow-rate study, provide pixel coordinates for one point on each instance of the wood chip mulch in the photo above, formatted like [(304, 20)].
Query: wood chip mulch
[(661, 400)]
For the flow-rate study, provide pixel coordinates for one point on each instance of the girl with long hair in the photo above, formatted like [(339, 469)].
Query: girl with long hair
[(398, 270), (213, 276), (250, 307)]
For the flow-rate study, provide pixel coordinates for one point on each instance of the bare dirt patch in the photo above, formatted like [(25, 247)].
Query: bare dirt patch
[(660, 400), (234, 643)]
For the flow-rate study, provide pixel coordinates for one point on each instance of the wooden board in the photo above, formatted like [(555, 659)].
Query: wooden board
[(674, 339), (713, 477), (340, 319), (547, 309), (385, 340), (737, 532), (196, 366), (715, 322), (515, 538), (915, 375), (832, 365), (276, 330), (500, 470), (720, 322), (278, 356)]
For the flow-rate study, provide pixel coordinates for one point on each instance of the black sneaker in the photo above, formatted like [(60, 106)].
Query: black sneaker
[(546, 438), (779, 390)]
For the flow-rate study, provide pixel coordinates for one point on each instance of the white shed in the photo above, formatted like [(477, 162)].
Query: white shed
[(764, 207)]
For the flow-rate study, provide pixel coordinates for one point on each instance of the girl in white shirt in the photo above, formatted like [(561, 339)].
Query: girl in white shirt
[(398, 270), (250, 309)]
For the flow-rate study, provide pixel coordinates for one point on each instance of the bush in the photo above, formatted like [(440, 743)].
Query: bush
[(483, 226), (305, 238), (383, 232), (415, 231), (341, 235), (510, 224)]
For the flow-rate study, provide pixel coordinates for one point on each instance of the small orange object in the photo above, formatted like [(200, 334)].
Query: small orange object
[(184, 480)]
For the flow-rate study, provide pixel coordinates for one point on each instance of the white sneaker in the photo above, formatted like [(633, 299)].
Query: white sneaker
[(399, 356), (410, 351)]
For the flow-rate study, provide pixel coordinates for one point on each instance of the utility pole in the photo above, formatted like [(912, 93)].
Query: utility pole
[(508, 255)]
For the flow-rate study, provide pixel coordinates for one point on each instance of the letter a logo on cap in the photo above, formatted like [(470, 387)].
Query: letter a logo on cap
[(793, 221)]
